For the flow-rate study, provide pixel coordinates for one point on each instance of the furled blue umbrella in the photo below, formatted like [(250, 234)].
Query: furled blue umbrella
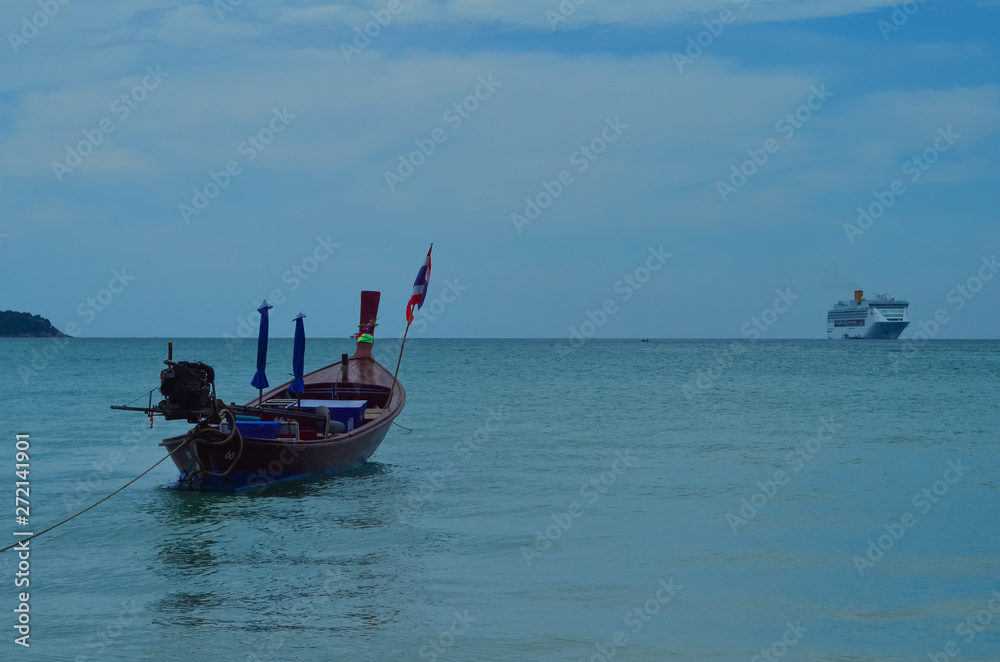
[(260, 379), (298, 356)]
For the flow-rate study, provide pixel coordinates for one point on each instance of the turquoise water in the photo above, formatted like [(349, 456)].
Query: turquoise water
[(547, 505)]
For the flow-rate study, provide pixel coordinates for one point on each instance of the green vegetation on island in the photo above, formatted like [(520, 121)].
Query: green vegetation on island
[(25, 325)]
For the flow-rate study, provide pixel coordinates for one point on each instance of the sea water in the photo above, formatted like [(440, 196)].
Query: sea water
[(626, 500)]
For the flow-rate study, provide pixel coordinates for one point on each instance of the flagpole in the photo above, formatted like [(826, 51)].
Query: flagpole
[(409, 321), (396, 374)]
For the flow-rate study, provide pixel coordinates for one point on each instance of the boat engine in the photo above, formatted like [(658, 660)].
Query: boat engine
[(188, 389)]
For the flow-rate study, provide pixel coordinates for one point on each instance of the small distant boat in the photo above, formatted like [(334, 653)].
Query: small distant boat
[(330, 420), (881, 318)]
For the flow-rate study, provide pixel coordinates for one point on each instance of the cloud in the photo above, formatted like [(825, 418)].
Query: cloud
[(354, 123), (179, 21), (326, 172), (532, 14)]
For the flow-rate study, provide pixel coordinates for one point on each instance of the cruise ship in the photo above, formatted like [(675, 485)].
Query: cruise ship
[(881, 318)]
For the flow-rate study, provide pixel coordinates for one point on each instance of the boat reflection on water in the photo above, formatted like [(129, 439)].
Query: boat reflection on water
[(306, 558)]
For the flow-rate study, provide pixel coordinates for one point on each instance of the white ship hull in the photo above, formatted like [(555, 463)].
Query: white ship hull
[(877, 331), (882, 318)]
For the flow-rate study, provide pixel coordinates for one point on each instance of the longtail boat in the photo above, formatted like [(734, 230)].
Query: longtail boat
[(330, 420)]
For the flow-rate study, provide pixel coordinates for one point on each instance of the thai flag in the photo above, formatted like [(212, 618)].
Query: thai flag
[(419, 287)]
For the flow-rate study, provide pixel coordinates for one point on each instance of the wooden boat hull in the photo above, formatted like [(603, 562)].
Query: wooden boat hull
[(264, 461)]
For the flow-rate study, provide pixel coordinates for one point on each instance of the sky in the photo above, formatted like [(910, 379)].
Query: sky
[(635, 168)]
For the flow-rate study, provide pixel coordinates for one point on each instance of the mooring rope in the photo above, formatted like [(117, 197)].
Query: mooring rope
[(24, 540), (201, 472)]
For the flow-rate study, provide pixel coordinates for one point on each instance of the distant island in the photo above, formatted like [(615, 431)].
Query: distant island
[(25, 325)]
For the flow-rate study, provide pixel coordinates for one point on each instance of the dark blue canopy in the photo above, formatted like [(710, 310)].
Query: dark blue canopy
[(260, 379), (298, 356)]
